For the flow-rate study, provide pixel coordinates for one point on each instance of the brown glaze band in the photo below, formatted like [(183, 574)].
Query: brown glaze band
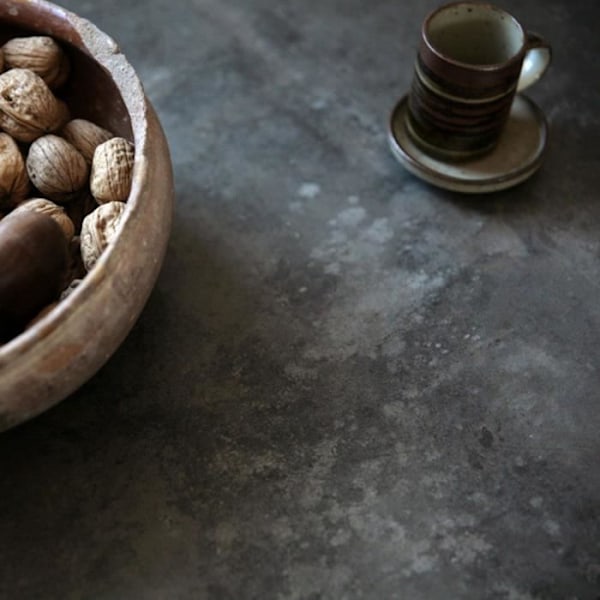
[(469, 80), (452, 124), (469, 88)]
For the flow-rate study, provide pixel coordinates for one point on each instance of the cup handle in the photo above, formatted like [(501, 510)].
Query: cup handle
[(537, 60)]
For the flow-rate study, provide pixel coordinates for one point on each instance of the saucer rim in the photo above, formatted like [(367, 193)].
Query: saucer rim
[(409, 157)]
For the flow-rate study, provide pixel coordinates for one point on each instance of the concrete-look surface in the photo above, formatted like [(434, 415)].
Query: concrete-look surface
[(347, 383)]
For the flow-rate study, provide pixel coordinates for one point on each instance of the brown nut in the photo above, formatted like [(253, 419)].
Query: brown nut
[(99, 229), (28, 108), (34, 251), (56, 168), (40, 54), (85, 136), (14, 183), (52, 210), (112, 170)]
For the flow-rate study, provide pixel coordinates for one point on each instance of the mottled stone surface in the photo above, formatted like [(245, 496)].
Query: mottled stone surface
[(347, 383)]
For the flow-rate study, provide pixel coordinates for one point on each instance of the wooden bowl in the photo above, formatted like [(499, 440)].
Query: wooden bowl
[(47, 362)]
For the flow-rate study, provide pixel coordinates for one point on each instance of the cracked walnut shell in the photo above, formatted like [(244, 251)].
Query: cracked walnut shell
[(98, 230), (112, 170), (14, 183), (40, 54), (56, 168)]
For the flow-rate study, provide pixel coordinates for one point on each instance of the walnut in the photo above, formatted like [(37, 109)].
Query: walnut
[(56, 168), (40, 54), (98, 230), (52, 210), (85, 136), (112, 169), (28, 108), (14, 183)]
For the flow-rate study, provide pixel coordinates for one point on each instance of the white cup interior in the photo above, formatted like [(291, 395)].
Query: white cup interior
[(475, 34)]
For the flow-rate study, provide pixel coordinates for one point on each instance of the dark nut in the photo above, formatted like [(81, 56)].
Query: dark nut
[(34, 249)]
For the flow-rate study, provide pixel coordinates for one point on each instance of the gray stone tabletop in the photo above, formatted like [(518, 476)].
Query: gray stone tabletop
[(347, 383)]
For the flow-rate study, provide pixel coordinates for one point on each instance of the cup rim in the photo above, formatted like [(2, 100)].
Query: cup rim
[(465, 65)]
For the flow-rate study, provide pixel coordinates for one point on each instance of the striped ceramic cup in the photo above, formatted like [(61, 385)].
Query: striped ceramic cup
[(472, 59)]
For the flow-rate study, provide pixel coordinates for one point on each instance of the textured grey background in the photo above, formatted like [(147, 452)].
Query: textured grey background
[(347, 383)]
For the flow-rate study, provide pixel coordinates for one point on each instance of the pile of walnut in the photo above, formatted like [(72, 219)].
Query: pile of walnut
[(63, 185)]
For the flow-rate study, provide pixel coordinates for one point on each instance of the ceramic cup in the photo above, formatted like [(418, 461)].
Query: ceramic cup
[(472, 59)]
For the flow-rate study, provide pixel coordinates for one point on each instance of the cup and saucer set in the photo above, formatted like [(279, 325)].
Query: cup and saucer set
[(464, 125)]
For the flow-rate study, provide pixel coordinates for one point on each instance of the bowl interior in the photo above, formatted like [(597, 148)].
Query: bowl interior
[(89, 91)]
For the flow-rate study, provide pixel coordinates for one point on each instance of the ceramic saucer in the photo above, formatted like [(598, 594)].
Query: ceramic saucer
[(516, 157)]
